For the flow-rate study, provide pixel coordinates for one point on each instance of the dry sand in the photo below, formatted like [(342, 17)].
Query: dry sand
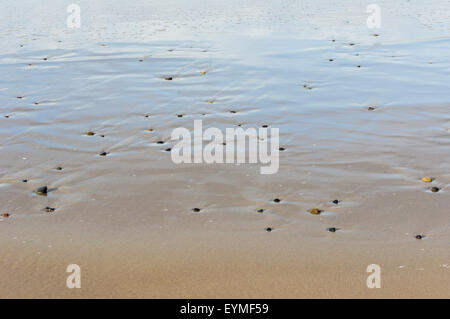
[(126, 218)]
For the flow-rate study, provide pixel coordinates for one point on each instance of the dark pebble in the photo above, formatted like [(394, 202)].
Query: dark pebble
[(24, 180), (265, 126), (168, 149), (260, 210), (42, 191), (336, 201), (45, 59), (281, 149), (419, 236), (180, 115), (59, 168), (269, 229), (103, 154), (234, 112), (49, 209), (169, 78), (332, 229), (371, 108), (331, 60), (160, 142), (196, 210), (277, 200), (435, 189), (6, 215)]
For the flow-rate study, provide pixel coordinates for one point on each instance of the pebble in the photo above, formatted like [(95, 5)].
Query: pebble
[(6, 215), (203, 72), (269, 229), (160, 142), (419, 236), (211, 101), (261, 210), (332, 229), (281, 149), (427, 179), (150, 130), (265, 126), (90, 133), (168, 149), (103, 154), (435, 189), (59, 168), (43, 190), (196, 210), (24, 180), (336, 201), (315, 211), (331, 60), (371, 108), (49, 209), (180, 115), (169, 78), (277, 200)]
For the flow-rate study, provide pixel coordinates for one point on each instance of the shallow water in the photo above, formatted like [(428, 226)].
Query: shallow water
[(106, 76)]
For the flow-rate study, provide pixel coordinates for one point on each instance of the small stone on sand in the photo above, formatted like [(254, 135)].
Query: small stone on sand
[(260, 210), (435, 189), (315, 211), (336, 201), (169, 78), (168, 149), (332, 229), (419, 236), (371, 108), (427, 179), (90, 133), (49, 209), (160, 142), (269, 229), (203, 72), (6, 215), (43, 190), (277, 200), (59, 168), (196, 210), (24, 180), (103, 154), (281, 149)]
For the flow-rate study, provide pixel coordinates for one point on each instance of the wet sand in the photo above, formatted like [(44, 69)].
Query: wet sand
[(362, 119)]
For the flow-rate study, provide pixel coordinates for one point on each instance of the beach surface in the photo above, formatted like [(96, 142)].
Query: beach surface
[(363, 116)]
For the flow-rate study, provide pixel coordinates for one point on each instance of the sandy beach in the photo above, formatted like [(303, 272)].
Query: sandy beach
[(363, 115)]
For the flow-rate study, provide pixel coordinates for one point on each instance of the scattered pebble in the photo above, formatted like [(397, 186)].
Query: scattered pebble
[(150, 130), (20, 97), (269, 229), (427, 179), (211, 101), (234, 112), (281, 149), (180, 115), (265, 126), (43, 190), (160, 142), (196, 210), (358, 66), (45, 59), (203, 72), (103, 153), (435, 189), (261, 210), (307, 87), (315, 211), (90, 133), (336, 201), (168, 149), (371, 108), (419, 236), (375, 35), (59, 168), (6, 215), (277, 200), (331, 60), (169, 78), (49, 209), (24, 180), (332, 229)]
